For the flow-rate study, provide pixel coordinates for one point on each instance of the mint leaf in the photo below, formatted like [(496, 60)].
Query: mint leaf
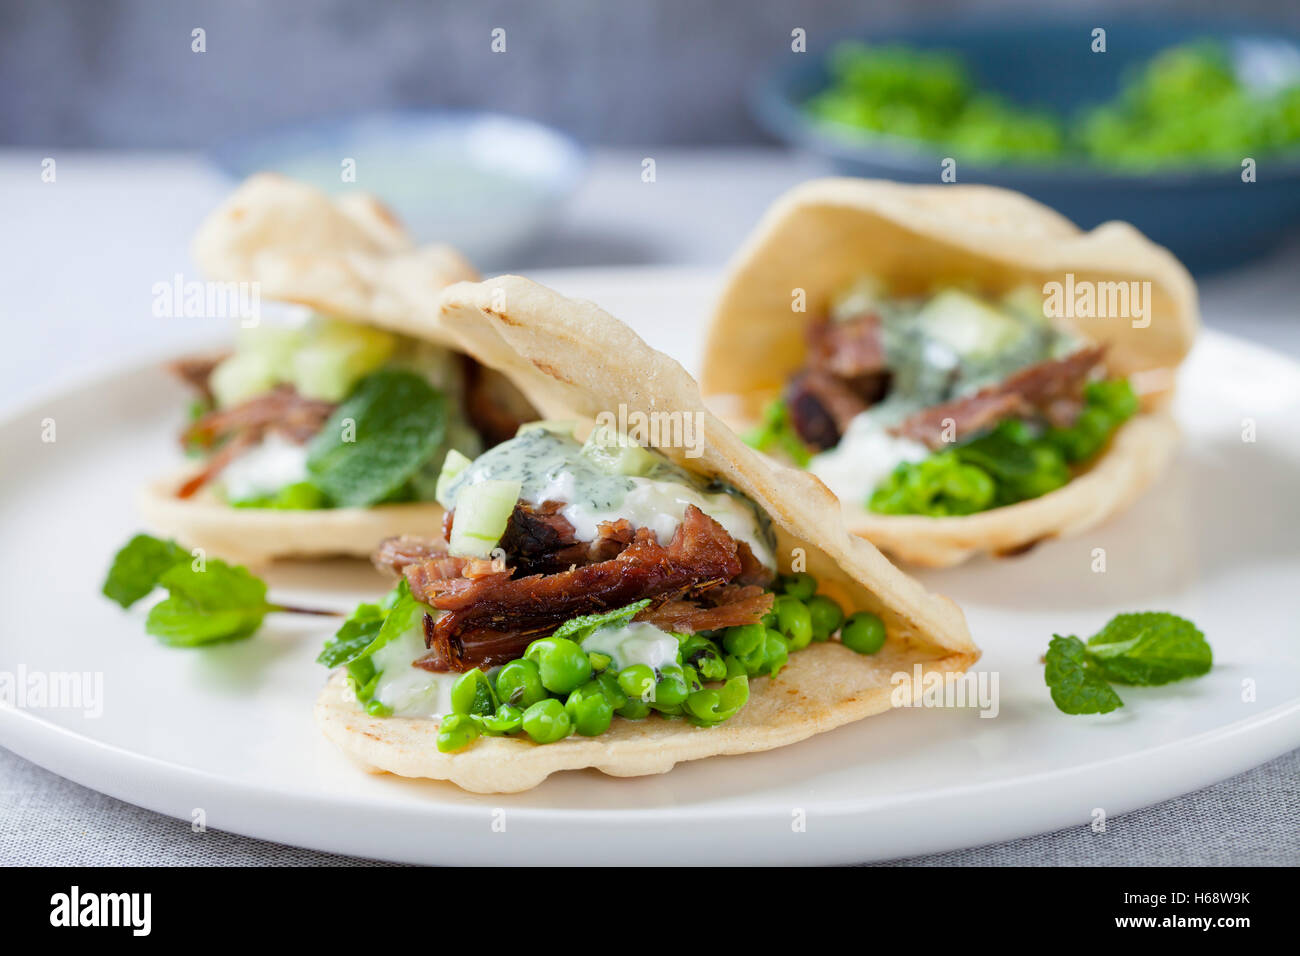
[(577, 629), (356, 634), (1075, 687), (1149, 649), (395, 421), (219, 603), (370, 627), (138, 566)]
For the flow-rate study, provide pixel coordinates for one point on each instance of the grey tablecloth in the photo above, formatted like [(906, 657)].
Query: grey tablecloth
[(1249, 820)]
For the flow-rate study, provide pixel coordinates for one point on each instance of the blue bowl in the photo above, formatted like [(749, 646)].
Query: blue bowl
[(484, 182), (1207, 217)]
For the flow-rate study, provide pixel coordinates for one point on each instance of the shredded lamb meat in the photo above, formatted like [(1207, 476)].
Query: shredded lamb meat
[(490, 617), (235, 430), (731, 605), (845, 374), (1050, 388)]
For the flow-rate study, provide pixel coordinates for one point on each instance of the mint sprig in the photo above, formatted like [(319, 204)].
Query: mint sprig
[(577, 629), (207, 602), (1144, 649)]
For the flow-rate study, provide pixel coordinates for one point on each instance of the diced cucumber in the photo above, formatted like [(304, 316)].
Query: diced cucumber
[(482, 510), (441, 367), (554, 425), (1026, 301), (336, 357), (968, 325), (615, 453), (453, 466), (240, 377), (277, 343), (863, 296)]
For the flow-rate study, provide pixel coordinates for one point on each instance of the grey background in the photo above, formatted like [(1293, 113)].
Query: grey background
[(120, 73)]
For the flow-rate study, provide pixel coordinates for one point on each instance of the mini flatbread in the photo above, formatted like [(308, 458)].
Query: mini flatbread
[(573, 360), (347, 257), (823, 235)]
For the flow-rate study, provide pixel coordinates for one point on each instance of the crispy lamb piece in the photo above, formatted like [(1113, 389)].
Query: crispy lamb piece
[(395, 554), (541, 540), (752, 571), (851, 349), (218, 460), (1050, 388), (281, 410), (196, 371), (821, 407), (491, 619), (728, 606)]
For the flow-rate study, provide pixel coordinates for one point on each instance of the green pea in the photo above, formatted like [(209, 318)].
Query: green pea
[(713, 706), (638, 682), (473, 694), (508, 719), (826, 617), (609, 687), (589, 710), (599, 662), (520, 683), (702, 654), (377, 708), (735, 667), (671, 689), (794, 620), (456, 732), (547, 721), (746, 645), (563, 664), (634, 709), (693, 682), (776, 651), (863, 632), (802, 585)]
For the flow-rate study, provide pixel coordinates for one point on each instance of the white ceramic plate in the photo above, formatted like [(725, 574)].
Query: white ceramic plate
[(228, 731)]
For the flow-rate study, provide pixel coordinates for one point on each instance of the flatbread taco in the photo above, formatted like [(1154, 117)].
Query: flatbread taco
[(624, 585), (963, 367), (324, 428)]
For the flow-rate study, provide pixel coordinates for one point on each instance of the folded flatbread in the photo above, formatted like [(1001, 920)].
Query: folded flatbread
[(574, 361), (824, 235), (346, 258)]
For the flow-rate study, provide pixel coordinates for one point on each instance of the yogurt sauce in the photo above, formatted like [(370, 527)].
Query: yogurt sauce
[(264, 469), (637, 642), (407, 690), (550, 467), (864, 457)]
